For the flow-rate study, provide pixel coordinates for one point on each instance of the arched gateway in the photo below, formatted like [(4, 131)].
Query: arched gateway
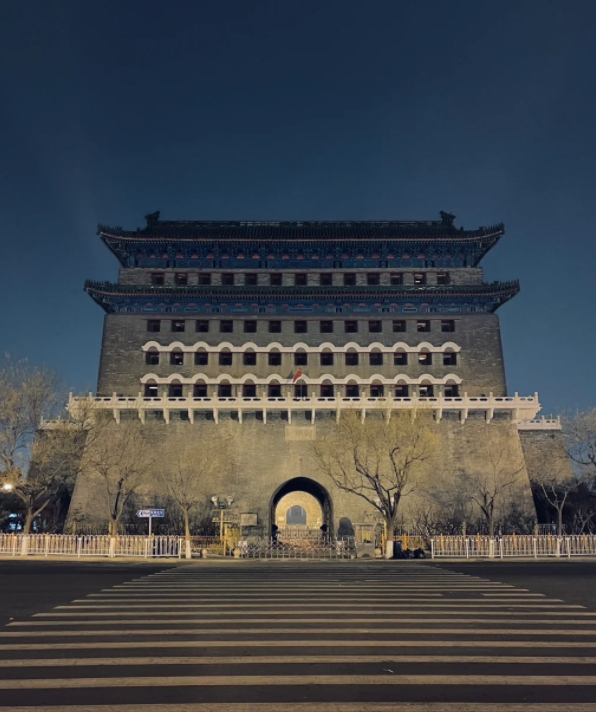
[(307, 494)]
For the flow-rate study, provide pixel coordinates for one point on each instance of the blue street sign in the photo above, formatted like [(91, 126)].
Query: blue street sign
[(145, 513)]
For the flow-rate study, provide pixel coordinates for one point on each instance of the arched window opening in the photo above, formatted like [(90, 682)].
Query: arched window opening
[(375, 358), (400, 358), (426, 390), (201, 358), (225, 358), (352, 390), (151, 390), (352, 357), (449, 358), (327, 390), (451, 390), (224, 390), (152, 357), (176, 358), (425, 358), (377, 390), (175, 390), (402, 390), (249, 390), (274, 390), (200, 390)]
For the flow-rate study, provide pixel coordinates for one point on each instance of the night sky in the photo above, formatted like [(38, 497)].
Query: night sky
[(301, 110)]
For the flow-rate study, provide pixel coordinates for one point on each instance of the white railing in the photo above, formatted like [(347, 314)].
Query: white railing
[(525, 546), (540, 424), (91, 545), (522, 408)]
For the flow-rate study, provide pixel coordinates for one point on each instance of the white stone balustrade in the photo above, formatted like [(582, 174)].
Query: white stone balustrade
[(523, 409)]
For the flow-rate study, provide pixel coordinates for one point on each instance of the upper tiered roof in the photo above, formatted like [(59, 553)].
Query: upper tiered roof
[(200, 243)]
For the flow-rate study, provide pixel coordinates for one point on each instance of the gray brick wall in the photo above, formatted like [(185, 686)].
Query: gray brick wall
[(480, 362)]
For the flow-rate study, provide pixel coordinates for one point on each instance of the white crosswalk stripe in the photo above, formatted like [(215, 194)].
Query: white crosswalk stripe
[(259, 637)]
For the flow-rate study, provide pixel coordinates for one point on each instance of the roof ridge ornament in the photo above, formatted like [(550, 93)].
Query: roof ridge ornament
[(152, 218), (446, 218)]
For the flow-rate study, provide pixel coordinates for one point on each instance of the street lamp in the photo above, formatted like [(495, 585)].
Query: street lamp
[(7, 487)]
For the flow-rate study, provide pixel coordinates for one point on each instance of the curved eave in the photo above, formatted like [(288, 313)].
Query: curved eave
[(338, 235), (105, 292)]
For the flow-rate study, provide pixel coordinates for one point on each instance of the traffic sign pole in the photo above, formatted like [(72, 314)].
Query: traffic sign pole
[(150, 519)]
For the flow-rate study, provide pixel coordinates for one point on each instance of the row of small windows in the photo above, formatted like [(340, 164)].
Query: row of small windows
[(300, 279), (274, 390), (301, 358), (226, 326)]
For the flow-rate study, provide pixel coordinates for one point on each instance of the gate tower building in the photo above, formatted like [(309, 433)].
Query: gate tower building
[(271, 329)]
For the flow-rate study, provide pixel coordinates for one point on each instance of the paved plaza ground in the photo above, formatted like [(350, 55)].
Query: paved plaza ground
[(298, 636)]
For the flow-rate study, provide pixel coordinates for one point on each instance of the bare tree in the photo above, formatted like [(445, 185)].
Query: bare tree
[(56, 458), (580, 440), (380, 460), (122, 455), (551, 474), (187, 463), (27, 395), (493, 472)]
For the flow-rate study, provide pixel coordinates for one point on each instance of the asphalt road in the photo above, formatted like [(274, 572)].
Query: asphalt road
[(298, 637)]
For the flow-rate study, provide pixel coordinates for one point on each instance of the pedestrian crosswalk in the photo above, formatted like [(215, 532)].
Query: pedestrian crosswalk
[(303, 637)]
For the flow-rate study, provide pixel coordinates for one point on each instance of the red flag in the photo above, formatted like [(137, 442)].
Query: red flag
[(297, 375)]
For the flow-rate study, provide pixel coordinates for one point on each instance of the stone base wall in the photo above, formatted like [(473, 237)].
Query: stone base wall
[(263, 457)]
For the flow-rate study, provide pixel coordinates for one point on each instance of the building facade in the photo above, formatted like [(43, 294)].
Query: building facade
[(272, 329)]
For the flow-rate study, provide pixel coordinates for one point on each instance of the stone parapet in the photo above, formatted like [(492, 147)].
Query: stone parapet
[(518, 408)]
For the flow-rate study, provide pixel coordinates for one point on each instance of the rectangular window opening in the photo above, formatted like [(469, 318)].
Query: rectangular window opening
[(249, 358), (350, 279), (275, 327), (300, 327), (227, 280), (375, 358), (202, 326), (300, 358), (158, 279), (326, 327), (400, 358), (327, 358), (226, 326), (442, 278), (154, 325), (447, 325), (275, 279), (178, 325), (351, 327), (419, 278), (181, 279), (201, 358), (399, 325), (396, 279), (352, 358), (250, 327), (300, 280), (225, 358), (275, 358), (326, 279), (423, 325), (375, 327), (204, 279)]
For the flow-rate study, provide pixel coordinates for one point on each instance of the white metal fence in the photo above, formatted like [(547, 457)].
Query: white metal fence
[(526, 546), (91, 545), (465, 547)]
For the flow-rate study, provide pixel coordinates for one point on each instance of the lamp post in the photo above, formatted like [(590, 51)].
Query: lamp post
[(221, 503)]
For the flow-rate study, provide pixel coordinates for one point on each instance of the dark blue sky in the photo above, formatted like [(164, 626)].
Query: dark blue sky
[(293, 109)]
